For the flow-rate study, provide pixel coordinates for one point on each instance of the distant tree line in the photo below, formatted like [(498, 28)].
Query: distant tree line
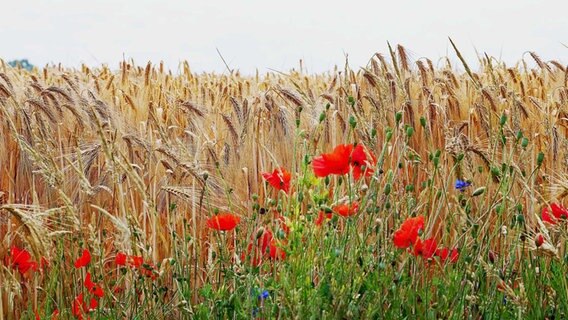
[(23, 63)]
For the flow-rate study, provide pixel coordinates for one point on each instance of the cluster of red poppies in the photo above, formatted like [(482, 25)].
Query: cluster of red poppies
[(80, 307), (265, 245), (408, 236), (261, 247), (345, 158), (136, 262), (554, 213)]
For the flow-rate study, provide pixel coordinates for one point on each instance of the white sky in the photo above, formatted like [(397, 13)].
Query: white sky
[(276, 34)]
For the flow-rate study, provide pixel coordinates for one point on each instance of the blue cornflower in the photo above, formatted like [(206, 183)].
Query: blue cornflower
[(264, 295), (461, 185)]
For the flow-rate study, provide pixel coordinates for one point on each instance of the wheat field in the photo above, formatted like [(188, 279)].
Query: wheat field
[(136, 160)]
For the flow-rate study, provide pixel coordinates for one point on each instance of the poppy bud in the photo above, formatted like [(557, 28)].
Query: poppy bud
[(492, 256), (351, 100), (436, 161), (495, 171), (477, 192), (398, 117), (326, 209), (524, 143), (539, 240), (539, 159), (423, 121), (503, 119), (387, 189), (352, 122)]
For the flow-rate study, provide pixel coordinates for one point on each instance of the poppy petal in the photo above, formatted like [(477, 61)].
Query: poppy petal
[(84, 260), (223, 222)]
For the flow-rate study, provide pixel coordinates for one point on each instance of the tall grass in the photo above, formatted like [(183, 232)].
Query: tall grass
[(135, 161)]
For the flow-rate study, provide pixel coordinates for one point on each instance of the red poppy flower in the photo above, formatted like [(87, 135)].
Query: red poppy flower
[(93, 304), (265, 240), (547, 217), (558, 212), (362, 166), (83, 260), (93, 287), (149, 271), (136, 261), (346, 210), (445, 253), (538, 240), (279, 179), (407, 234), (120, 259), (321, 217), (21, 259), (89, 284), (257, 250), (454, 255), (223, 222), (336, 162), (79, 306), (98, 291), (426, 248), (344, 157), (276, 252)]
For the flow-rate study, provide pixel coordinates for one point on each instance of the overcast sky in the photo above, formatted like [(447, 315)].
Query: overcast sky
[(266, 34)]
